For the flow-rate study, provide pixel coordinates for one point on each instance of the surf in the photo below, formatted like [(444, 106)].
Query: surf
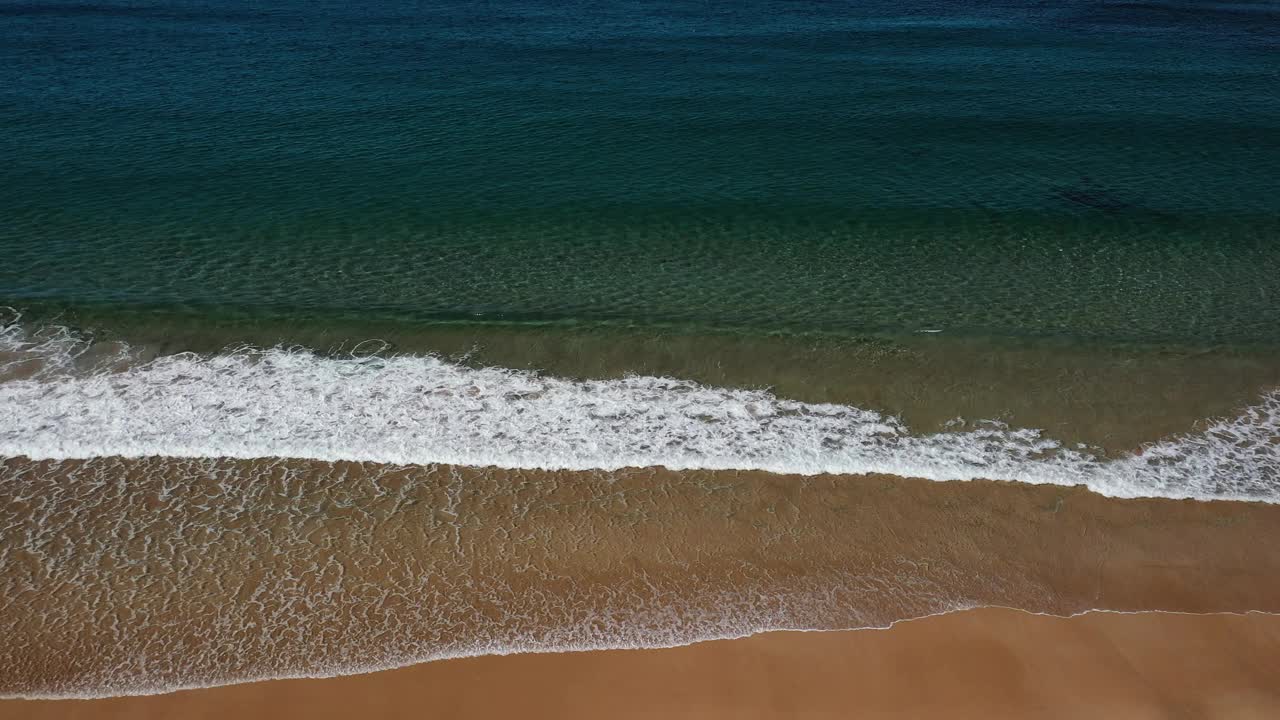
[(66, 398)]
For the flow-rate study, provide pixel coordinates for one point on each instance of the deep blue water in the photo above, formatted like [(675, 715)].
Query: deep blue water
[(1088, 169)]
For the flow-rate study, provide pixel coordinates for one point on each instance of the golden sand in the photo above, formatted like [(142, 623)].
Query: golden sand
[(126, 576), (975, 664)]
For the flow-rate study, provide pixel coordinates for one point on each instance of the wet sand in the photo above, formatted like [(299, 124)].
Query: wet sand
[(139, 576), (975, 664)]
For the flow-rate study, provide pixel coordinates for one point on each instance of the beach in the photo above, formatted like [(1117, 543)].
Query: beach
[(217, 518), (974, 664), (915, 359), (185, 573)]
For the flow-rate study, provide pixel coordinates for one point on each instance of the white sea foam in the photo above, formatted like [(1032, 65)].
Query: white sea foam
[(416, 410)]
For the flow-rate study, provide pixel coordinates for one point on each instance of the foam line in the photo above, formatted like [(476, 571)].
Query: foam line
[(420, 409)]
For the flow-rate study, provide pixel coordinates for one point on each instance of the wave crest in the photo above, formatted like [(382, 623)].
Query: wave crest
[(63, 397)]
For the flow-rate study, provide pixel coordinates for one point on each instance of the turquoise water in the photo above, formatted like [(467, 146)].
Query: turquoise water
[(1087, 170)]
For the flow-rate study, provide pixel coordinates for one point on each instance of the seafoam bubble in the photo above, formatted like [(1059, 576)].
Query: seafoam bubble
[(421, 409)]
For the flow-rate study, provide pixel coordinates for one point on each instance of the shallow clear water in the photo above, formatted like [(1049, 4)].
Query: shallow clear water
[(1088, 170)]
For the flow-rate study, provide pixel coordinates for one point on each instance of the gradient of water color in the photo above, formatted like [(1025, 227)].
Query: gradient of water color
[(341, 336)]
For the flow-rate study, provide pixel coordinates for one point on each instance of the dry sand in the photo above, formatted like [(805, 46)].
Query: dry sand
[(975, 664)]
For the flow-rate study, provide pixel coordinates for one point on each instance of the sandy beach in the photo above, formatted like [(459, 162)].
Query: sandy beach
[(985, 663), (673, 359), (173, 574)]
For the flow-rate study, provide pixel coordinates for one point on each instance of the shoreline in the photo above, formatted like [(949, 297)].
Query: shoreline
[(763, 633), (986, 662), (176, 573)]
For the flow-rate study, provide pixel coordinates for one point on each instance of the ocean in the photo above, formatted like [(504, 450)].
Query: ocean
[(344, 336)]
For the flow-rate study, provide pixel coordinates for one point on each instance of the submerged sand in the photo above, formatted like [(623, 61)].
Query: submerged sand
[(142, 576), (974, 664)]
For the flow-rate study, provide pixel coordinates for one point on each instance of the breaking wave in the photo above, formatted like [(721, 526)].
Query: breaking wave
[(62, 397)]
